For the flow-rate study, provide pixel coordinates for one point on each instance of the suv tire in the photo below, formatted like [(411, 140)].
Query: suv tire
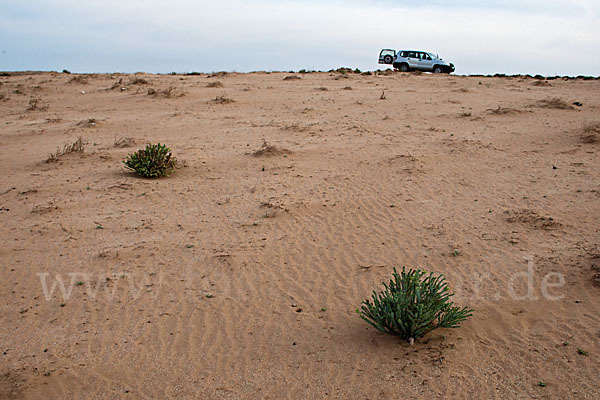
[(403, 67), (388, 59), (437, 69)]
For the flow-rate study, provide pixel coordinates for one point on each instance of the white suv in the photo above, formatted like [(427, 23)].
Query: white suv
[(407, 60), (386, 56)]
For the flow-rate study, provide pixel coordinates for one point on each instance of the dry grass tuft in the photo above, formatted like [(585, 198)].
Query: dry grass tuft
[(295, 128), (591, 133), (323, 89), (594, 253), (138, 81), (35, 104), (532, 218), (267, 150), (222, 100), (503, 111), (88, 123), (78, 80), (76, 147), (271, 210), (124, 142), (291, 77), (555, 103), (168, 93), (53, 120), (215, 84), (347, 88), (116, 85)]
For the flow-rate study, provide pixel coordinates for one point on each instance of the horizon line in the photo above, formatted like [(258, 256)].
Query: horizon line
[(300, 71)]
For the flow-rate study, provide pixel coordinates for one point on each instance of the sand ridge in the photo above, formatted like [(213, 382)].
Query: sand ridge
[(239, 275)]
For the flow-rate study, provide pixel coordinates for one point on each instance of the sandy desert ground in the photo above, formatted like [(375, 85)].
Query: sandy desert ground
[(239, 275)]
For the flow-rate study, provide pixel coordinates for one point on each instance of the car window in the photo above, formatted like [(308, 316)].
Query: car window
[(412, 54), (403, 54)]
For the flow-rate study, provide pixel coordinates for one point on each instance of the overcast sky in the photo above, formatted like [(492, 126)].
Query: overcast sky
[(548, 37)]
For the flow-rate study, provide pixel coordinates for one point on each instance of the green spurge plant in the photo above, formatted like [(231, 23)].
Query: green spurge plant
[(413, 304), (152, 162)]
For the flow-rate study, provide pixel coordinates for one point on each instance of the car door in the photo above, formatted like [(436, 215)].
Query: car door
[(425, 62), (412, 59)]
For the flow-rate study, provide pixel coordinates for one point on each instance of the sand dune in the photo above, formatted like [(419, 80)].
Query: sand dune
[(239, 275)]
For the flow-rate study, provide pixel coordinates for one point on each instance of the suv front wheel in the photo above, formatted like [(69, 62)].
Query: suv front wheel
[(437, 69)]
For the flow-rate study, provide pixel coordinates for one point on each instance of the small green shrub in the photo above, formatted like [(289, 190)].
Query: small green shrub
[(413, 304), (152, 162)]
